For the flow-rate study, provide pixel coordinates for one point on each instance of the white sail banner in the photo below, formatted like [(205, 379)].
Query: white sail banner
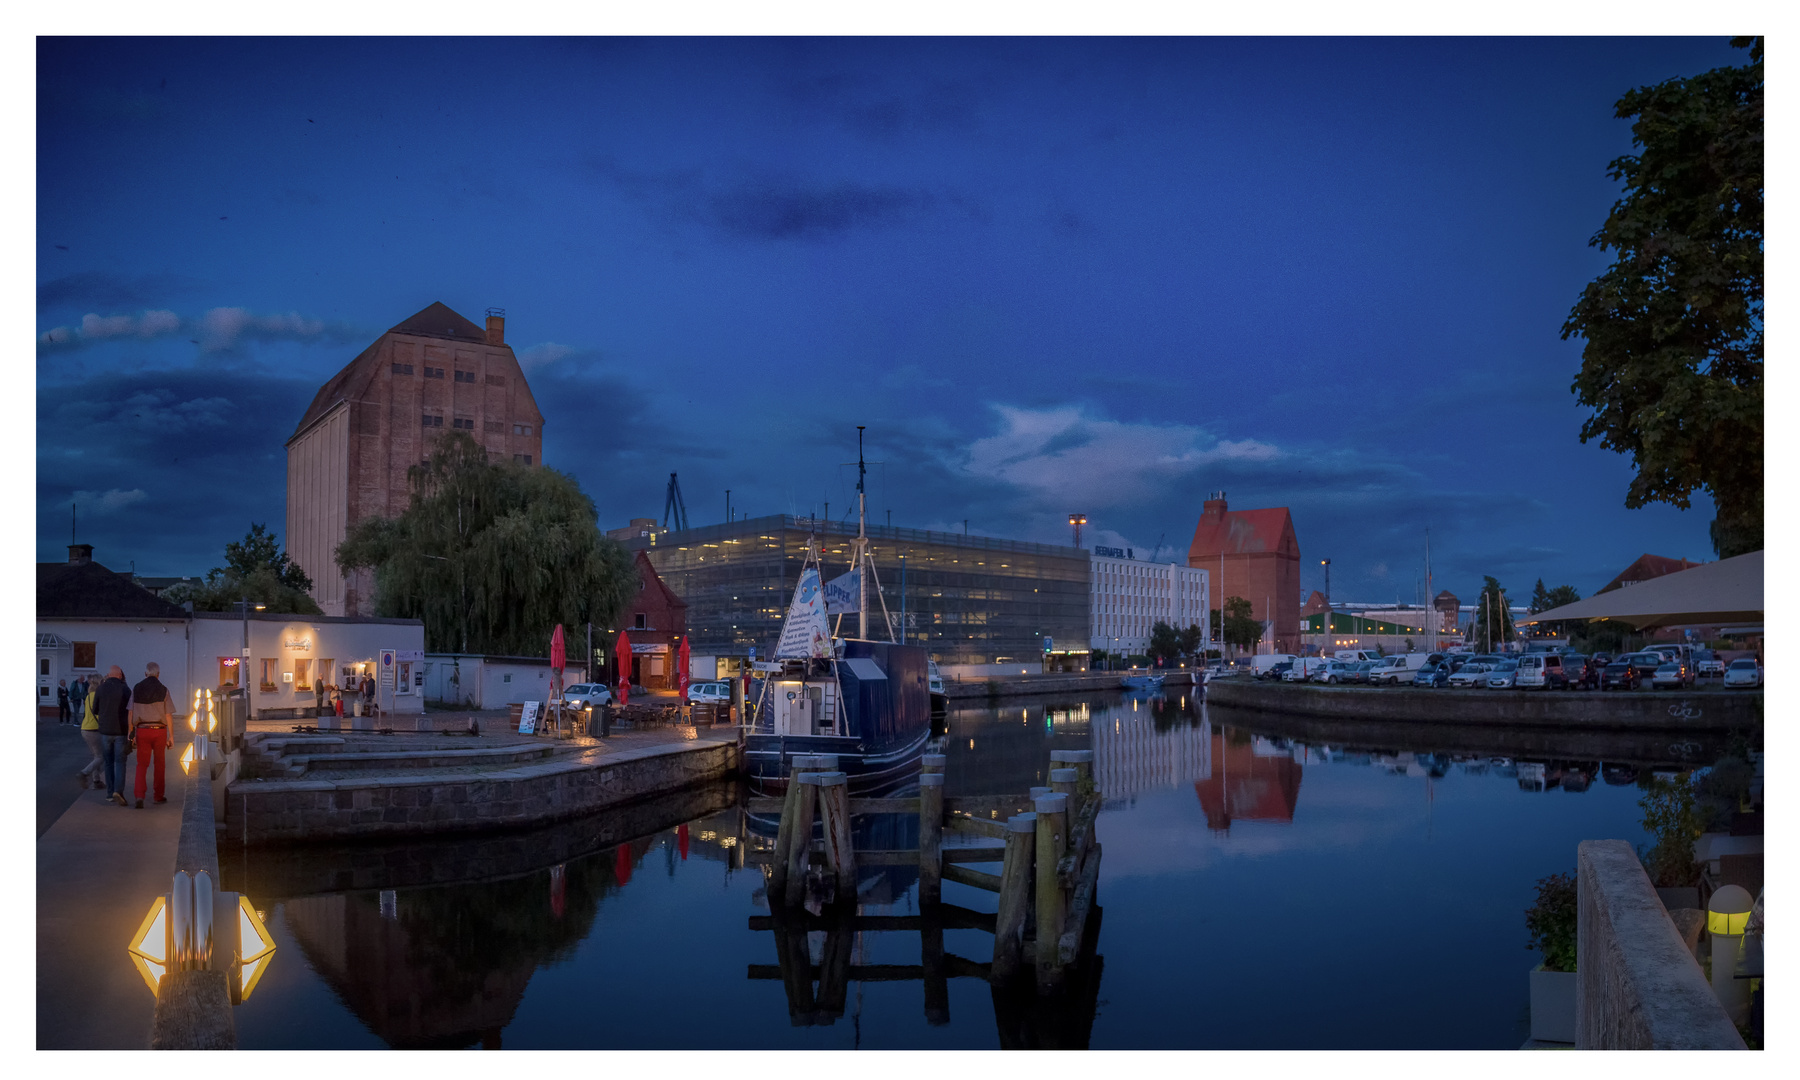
[(804, 633), (842, 594)]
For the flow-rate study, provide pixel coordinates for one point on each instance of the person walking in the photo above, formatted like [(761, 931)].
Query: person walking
[(152, 719), (90, 734), (112, 716), (62, 701)]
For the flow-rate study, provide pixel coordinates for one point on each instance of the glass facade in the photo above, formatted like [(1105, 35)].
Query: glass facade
[(966, 599)]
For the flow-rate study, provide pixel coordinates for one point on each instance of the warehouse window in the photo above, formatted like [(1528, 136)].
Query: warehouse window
[(429, 420), (403, 369), (465, 425), (434, 373), (465, 376)]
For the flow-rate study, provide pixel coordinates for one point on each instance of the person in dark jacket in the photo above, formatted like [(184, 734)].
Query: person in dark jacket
[(112, 711), (62, 701), (152, 726)]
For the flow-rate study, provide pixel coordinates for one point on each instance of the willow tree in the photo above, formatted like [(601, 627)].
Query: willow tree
[(491, 555)]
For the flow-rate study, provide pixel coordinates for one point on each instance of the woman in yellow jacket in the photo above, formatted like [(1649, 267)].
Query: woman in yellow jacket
[(92, 775)]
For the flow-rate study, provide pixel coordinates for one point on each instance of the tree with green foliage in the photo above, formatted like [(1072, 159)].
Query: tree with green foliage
[(1191, 639), (255, 568), (491, 555), (1236, 627), (1673, 818), (1551, 922), (1672, 363), (1493, 620), (1165, 643)]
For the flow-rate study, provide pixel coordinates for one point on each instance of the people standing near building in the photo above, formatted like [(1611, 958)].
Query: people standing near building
[(78, 692), (62, 701), (112, 714), (337, 703), (368, 695), (152, 719), (318, 698), (90, 734)]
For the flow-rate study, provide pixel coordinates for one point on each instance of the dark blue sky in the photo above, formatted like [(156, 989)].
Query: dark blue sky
[(1050, 275)]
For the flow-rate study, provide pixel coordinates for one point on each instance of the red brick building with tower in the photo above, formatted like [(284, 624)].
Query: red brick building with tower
[(1253, 554), (347, 459)]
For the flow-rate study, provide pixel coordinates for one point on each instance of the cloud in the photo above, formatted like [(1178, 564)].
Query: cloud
[(220, 330), (539, 356), (1061, 453), (107, 502), (788, 210), (858, 103)]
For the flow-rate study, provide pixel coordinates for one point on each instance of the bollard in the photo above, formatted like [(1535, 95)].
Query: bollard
[(1065, 782), (181, 921), (203, 921), (840, 851), (800, 837), (931, 837), (1052, 905), (1015, 896), (1036, 791), (931, 763)]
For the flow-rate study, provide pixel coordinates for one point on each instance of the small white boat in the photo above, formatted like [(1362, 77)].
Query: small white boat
[(1142, 682)]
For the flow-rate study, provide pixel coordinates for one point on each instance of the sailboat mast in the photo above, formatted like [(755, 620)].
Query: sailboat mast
[(862, 544)]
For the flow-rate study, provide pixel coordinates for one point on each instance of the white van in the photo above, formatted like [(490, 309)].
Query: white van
[(1260, 665), (1355, 656), (1305, 667), (1397, 669)]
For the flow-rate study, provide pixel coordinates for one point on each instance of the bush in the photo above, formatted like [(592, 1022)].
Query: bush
[(1551, 922)]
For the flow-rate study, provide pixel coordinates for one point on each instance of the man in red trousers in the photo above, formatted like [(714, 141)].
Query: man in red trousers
[(152, 718)]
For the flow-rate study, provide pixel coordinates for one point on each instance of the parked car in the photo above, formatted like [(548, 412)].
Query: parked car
[(1473, 672), (1744, 672), (587, 695), (1548, 671), (1397, 669), (1335, 671), (1628, 671), (1707, 663), (1359, 671), (1432, 676), (1674, 673), (1503, 675), (1305, 668), (1278, 671), (708, 693)]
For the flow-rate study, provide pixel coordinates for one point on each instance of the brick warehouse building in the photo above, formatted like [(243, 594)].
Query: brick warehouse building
[(348, 456), (1255, 555)]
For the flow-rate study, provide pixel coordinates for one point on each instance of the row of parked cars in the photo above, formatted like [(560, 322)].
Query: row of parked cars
[(1662, 666)]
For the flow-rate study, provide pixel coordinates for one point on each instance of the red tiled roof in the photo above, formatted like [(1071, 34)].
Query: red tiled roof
[(436, 321), (1647, 567), (1242, 532)]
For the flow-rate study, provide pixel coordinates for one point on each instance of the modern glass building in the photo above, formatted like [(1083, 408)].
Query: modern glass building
[(966, 599)]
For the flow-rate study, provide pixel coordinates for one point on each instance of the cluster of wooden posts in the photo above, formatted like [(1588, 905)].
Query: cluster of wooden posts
[(1049, 857)]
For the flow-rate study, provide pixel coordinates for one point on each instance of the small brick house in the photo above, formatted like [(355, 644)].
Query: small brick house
[(656, 620)]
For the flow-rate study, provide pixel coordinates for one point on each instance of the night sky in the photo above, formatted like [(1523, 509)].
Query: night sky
[(1050, 275)]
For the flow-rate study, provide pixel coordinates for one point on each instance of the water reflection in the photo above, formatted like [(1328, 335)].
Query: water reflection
[(518, 938)]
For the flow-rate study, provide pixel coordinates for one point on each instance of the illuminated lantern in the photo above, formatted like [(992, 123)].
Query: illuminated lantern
[(256, 948), (149, 948)]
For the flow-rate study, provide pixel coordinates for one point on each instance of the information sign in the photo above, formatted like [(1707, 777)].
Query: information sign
[(528, 718)]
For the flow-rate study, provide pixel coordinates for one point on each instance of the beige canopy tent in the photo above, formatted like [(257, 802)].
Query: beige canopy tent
[(1713, 594)]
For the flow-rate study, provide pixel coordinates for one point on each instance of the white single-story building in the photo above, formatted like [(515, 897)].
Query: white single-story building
[(90, 617), (475, 681)]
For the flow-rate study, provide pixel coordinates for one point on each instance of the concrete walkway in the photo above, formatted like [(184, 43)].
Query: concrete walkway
[(99, 866)]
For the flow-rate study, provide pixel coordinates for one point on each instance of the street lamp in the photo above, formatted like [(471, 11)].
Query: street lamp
[(1326, 563), (244, 662), (1727, 914), (180, 932), (1078, 520)]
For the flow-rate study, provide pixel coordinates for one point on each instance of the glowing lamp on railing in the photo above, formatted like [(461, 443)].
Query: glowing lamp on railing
[(255, 945), (149, 948), (187, 760), (1729, 910)]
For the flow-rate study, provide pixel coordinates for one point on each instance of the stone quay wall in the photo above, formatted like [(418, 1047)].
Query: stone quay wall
[(1712, 710), (1049, 683), (1637, 985), (299, 811)]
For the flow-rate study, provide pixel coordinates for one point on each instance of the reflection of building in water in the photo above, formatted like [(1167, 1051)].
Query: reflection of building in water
[(1245, 785), (1132, 756)]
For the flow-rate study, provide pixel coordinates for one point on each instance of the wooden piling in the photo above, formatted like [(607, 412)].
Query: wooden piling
[(1082, 761), (932, 763), (1052, 902), (840, 852), (1015, 895), (834, 974), (1065, 782), (784, 832), (937, 981), (931, 837), (800, 838)]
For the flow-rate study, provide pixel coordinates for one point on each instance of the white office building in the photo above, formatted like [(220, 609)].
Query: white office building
[(1129, 596)]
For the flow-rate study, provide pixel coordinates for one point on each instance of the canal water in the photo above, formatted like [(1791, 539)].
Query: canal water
[(1265, 883)]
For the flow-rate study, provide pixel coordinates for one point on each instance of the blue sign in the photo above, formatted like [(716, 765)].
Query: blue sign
[(1048, 642), (752, 652)]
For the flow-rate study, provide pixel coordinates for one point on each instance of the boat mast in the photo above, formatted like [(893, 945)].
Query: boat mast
[(862, 544)]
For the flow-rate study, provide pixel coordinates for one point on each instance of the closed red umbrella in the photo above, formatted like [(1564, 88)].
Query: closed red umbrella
[(681, 841), (559, 655), (623, 653), (681, 669)]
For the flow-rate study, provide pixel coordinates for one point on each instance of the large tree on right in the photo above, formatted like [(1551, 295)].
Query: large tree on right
[(1673, 358)]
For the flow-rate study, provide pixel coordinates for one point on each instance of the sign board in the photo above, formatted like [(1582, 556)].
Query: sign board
[(645, 648), (764, 666), (300, 643), (414, 656), (753, 652), (1049, 643), (387, 669), (843, 594), (528, 718)]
